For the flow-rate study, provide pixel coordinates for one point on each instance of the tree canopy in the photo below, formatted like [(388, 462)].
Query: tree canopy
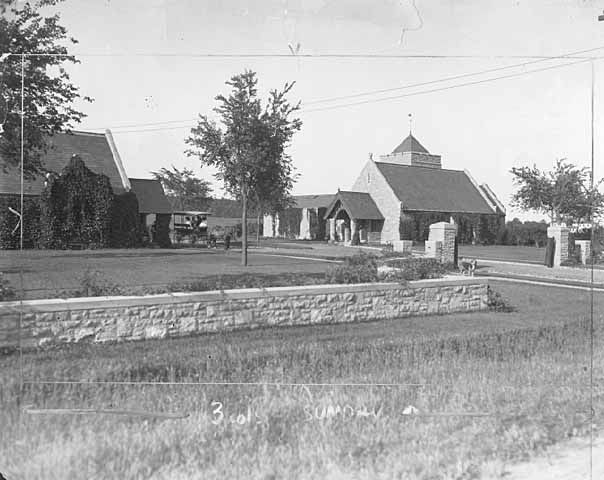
[(183, 188), (49, 92), (248, 149), (564, 194)]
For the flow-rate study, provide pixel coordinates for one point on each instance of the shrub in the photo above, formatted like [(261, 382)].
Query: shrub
[(94, 284), (498, 303), (245, 280), (419, 268), (361, 268), (126, 230), (7, 292), (161, 231)]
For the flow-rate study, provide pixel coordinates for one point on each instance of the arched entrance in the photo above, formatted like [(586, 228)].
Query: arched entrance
[(342, 226)]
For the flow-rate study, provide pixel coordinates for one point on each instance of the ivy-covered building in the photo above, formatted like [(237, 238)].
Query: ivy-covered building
[(398, 196), (100, 156)]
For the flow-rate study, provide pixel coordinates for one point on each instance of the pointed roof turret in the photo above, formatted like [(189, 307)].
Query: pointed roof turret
[(410, 144)]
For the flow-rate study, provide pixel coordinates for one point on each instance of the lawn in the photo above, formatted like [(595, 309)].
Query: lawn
[(507, 253), (48, 273), (524, 374)]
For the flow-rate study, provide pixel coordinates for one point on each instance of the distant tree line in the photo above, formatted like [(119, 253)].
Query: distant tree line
[(529, 233)]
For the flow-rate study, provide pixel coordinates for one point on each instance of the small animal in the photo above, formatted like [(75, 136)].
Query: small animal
[(467, 268)]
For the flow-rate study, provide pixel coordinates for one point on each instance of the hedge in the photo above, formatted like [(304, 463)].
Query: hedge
[(126, 229)]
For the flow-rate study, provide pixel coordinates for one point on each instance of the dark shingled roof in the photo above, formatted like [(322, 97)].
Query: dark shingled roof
[(434, 189), (93, 149), (410, 144), (358, 205), (150, 195), (313, 201)]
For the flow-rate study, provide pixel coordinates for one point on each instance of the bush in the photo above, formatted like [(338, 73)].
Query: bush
[(94, 284), (126, 230), (361, 268), (245, 280), (419, 268), (497, 303), (7, 292), (161, 230)]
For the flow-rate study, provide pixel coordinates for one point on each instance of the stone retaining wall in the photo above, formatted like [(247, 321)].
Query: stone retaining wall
[(107, 319)]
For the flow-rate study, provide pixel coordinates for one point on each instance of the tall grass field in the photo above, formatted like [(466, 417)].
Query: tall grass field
[(439, 397)]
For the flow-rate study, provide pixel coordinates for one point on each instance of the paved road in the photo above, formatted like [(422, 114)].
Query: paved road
[(519, 270), (569, 461)]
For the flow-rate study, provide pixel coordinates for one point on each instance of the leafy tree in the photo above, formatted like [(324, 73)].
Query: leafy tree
[(49, 93), (183, 188), (564, 194), (248, 151), (274, 176)]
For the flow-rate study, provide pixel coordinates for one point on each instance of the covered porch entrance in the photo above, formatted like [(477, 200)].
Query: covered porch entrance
[(353, 218)]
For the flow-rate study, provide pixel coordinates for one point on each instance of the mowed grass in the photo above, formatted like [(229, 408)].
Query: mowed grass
[(525, 375), (47, 273)]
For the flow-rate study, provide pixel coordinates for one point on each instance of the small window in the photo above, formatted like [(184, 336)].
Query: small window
[(368, 177)]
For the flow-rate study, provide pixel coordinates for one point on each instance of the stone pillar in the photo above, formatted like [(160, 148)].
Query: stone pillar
[(445, 233), (305, 225), (404, 246), (434, 249), (332, 229), (268, 229), (560, 234), (346, 234), (353, 227), (585, 246)]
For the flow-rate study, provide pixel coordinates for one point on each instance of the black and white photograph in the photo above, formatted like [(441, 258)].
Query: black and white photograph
[(301, 239)]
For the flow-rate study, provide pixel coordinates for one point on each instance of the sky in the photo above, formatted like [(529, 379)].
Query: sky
[(153, 66)]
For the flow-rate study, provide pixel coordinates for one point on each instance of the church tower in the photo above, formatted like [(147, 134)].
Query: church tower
[(412, 153)]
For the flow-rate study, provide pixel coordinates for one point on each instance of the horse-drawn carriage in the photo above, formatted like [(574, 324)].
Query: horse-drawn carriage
[(190, 227)]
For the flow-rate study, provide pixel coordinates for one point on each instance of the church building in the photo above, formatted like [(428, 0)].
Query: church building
[(397, 198)]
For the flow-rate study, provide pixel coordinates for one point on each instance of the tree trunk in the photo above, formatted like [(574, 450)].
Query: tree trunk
[(258, 230), (244, 225)]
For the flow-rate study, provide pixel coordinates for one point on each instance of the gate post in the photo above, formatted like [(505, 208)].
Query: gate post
[(561, 235)]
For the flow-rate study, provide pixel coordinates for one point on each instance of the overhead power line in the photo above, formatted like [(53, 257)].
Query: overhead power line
[(569, 56), (441, 89), (286, 55), (396, 97)]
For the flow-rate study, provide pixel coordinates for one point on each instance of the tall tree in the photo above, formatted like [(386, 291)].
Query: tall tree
[(275, 174), (564, 194), (248, 150), (49, 93), (183, 188)]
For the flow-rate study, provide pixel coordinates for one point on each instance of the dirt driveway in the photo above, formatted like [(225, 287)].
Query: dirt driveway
[(568, 461)]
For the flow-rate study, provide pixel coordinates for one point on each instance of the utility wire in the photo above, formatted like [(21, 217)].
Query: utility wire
[(285, 55), (441, 89), (570, 55), (395, 97)]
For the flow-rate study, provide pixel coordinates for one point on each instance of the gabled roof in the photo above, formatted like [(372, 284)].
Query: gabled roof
[(150, 195), (434, 189), (93, 148), (313, 201), (358, 205), (410, 144)]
